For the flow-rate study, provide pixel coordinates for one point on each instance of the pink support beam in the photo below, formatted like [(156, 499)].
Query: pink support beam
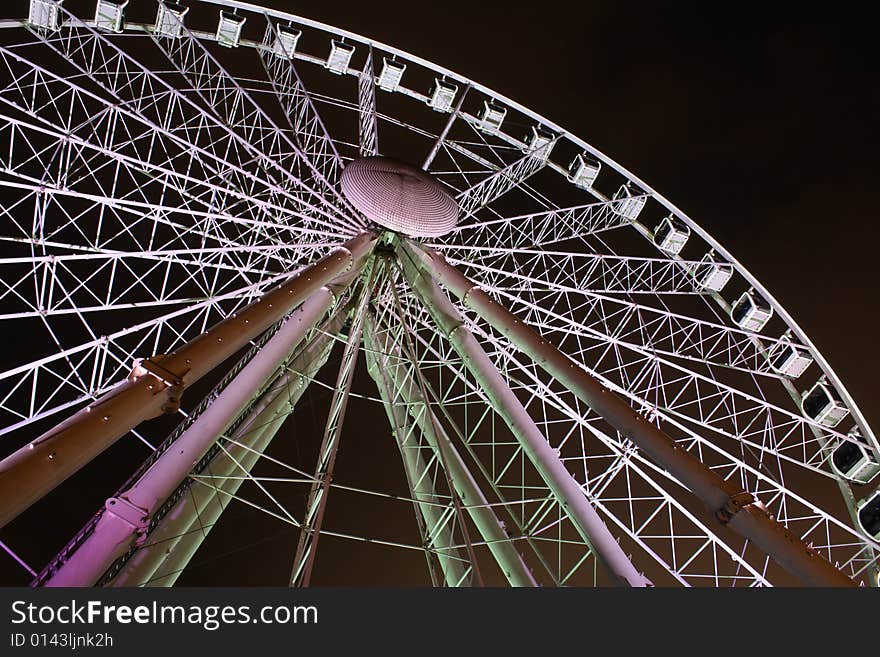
[(182, 529), (127, 516), (155, 386)]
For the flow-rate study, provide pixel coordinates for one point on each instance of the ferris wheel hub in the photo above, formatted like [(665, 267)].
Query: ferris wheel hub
[(399, 196)]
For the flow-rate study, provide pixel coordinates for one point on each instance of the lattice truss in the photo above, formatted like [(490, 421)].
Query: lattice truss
[(155, 183)]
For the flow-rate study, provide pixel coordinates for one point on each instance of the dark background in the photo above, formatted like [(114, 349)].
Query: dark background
[(757, 120)]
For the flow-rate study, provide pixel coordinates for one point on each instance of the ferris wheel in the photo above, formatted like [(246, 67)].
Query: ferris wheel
[(210, 210)]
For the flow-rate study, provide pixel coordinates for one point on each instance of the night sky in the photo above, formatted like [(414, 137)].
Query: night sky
[(757, 120)]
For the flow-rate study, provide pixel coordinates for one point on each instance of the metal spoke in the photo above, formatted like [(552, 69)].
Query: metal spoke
[(224, 96), (539, 228), (367, 128), (299, 105)]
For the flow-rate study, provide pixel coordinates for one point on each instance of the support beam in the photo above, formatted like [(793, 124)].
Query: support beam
[(128, 515), (732, 506), (169, 548), (155, 385), (175, 539), (429, 507), (543, 457), (400, 391), (310, 532)]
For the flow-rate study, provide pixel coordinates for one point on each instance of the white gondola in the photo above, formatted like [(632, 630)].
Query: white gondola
[(822, 404), (339, 57), (628, 202), (286, 39), (671, 235), (539, 143), (391, 75), (442, 96), (44, 14), (751, 312), (109, 15), (169, 19), (491, 118), (789, 359), (869, 515), (854, 459), (583, 171), (229, 29), (712, 275)]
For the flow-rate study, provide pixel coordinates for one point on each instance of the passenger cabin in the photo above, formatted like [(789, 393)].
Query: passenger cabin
[(869, 515), (628, 202), (539, 143), (286, 39), (491, 118), (442, 96), (229, 29), (823, 405), (751, 312), (854, 459), (109, 15), (711, 275), (789, 359), (339, 57), (391, 75), (169, 19), (671, 235), (583, 171), (44, 14)]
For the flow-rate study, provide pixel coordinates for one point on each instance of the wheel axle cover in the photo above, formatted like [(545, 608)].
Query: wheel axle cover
[(399, 197)]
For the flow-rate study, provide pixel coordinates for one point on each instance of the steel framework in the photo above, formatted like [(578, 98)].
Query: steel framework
[(583, 387)]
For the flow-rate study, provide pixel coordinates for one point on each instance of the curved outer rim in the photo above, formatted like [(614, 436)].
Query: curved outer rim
[(832, 377)]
